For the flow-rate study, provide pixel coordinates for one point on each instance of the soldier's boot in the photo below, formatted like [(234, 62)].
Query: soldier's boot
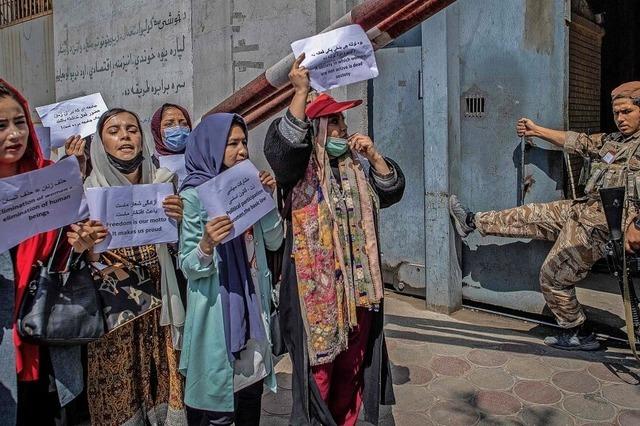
[(462, 217), (578, 338)]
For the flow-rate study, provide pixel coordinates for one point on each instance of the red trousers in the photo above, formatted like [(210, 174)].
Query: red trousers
[(341, 382)]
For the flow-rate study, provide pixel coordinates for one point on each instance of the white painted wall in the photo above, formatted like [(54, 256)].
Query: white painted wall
[(136, 53)]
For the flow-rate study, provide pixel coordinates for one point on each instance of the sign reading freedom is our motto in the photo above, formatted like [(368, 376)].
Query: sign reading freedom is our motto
[(39, 201), (133, 214)]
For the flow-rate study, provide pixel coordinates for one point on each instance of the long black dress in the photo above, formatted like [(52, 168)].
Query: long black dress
[(289, 161)]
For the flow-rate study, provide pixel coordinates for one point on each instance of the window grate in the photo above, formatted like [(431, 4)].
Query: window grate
[(474, 106), (16, 11)]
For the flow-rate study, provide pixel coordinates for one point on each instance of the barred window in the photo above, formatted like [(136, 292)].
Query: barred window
[(15, 11)]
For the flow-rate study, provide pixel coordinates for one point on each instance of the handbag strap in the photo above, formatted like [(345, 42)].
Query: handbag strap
[(55, 251), (285, 206), (110, 255)]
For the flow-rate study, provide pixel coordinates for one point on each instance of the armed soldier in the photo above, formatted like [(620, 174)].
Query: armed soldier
[(578, 227)]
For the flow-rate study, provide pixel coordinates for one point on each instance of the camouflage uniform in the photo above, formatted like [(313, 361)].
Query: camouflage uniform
[(579, 227)]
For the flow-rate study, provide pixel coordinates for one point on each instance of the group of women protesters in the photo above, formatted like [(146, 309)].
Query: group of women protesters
[(204, 356)]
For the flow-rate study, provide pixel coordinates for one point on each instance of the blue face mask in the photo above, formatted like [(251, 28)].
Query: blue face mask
[(336, 147), (175, 138)]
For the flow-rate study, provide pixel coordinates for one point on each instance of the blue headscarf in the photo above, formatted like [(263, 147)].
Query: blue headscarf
[(204, 160)]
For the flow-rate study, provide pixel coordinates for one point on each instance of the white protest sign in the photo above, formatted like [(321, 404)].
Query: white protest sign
[(175, 163), (238, 193), (337, 58), (77, 116), (133, 214), (44, 137), (39, 201)]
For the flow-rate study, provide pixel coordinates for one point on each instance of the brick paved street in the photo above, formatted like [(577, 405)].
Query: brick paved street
[(479, 369)]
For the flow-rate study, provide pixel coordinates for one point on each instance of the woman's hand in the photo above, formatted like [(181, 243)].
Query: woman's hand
[(267, 180), (215, 231), (172, 206), (364, 145), (299, 76), (84, 236), (74, 145)]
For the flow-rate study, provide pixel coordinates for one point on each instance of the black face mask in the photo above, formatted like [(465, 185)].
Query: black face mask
[(126, 166)]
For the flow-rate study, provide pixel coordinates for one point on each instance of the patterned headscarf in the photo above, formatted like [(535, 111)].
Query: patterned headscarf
[(335, 248)]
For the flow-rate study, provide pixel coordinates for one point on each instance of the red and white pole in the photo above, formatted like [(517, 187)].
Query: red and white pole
[(366, 14), (384, 21)]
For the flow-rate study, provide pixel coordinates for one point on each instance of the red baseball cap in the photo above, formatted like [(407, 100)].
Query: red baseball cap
[(325, 105)]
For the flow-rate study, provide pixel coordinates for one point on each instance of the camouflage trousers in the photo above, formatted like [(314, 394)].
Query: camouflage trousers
[(580, 232)]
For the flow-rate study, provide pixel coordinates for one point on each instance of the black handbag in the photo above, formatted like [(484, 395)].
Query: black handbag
[(278, 347), (61, 308), (274, 261), (125, 289)]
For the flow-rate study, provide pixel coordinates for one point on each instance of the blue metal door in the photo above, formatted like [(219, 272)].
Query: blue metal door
[(397, 131)]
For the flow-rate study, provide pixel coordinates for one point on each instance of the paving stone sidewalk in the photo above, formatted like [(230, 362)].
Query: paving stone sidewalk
[(476, 368)]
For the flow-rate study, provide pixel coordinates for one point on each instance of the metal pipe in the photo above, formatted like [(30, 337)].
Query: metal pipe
[(366, 14), (396, 25), (251, 101), (258, 115)]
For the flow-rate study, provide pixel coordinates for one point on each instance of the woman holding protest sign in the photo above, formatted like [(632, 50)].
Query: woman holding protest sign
[(133, 373), (170, 128), (226, 356), (25, 369), (331, 296)]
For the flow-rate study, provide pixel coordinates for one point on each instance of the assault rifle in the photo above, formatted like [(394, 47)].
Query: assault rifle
[(613, 205)]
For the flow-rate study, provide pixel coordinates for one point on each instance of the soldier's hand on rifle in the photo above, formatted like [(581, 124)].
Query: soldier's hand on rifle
[(632, 238), (526, 127)]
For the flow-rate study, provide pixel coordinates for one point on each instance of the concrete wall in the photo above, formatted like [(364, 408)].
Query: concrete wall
[(236, 40), (214, 48), (136, 53), (27, 60)]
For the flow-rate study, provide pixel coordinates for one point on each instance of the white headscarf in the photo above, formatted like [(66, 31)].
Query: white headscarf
[(104, 174)]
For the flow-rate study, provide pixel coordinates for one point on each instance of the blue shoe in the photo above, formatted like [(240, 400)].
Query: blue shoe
[(573, 339)]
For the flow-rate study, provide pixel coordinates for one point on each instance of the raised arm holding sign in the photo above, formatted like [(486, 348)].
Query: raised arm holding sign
[(337, 58), (72, 117)]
